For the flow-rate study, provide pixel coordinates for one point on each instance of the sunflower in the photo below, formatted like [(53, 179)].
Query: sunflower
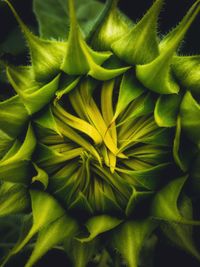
[(99, 145)]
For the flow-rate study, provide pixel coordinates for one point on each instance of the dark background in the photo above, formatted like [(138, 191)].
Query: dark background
[(174, 10)]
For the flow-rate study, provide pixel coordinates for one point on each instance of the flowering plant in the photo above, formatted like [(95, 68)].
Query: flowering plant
[(99, 144)]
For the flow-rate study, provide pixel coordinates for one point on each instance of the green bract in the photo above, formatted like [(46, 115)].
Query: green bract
[(101, 137)]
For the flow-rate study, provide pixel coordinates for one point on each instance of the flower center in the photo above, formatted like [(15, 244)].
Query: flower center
[(105, 146)]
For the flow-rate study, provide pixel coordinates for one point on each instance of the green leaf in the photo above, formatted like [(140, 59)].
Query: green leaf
[(181, 235), (150, 154), (107, 203), (17, 172), (80, 253), (10, 229), (182, 156), (72, 135), (14, 199), (22, 78), (77, 138), (165, 204), (103, 74), (55, 233), (186, 69), (48, 158), (81, 204), (117, 181), (6, 142), (80, 59), (129, 90), (53, 16), (129, 239), (41, 176), (34, 95), (45, 123), (157, 75), (190, 117), (138, 130), (59, 181), (175, 36), (141, 106), (46, 210), (91, 111), (14, 165), (77, 123), (107, 114), (107, 104), (45, 67), (13, 116), (71, 84), (98, 225), (144, 176), (67, 188), (162, 137), (111, 26), (167, 109), (25, 150), (140, 45)]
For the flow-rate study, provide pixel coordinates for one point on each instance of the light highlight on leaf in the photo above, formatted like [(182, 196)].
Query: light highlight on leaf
[(99, 224), (190, 117), (156, 75), (46, 55), (142, 35), (80, 59)]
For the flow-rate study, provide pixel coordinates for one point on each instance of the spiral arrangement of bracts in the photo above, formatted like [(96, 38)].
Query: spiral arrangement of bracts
[(94, 144)]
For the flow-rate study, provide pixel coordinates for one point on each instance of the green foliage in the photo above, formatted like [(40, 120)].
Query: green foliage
[(53, 17), (99, 145)]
